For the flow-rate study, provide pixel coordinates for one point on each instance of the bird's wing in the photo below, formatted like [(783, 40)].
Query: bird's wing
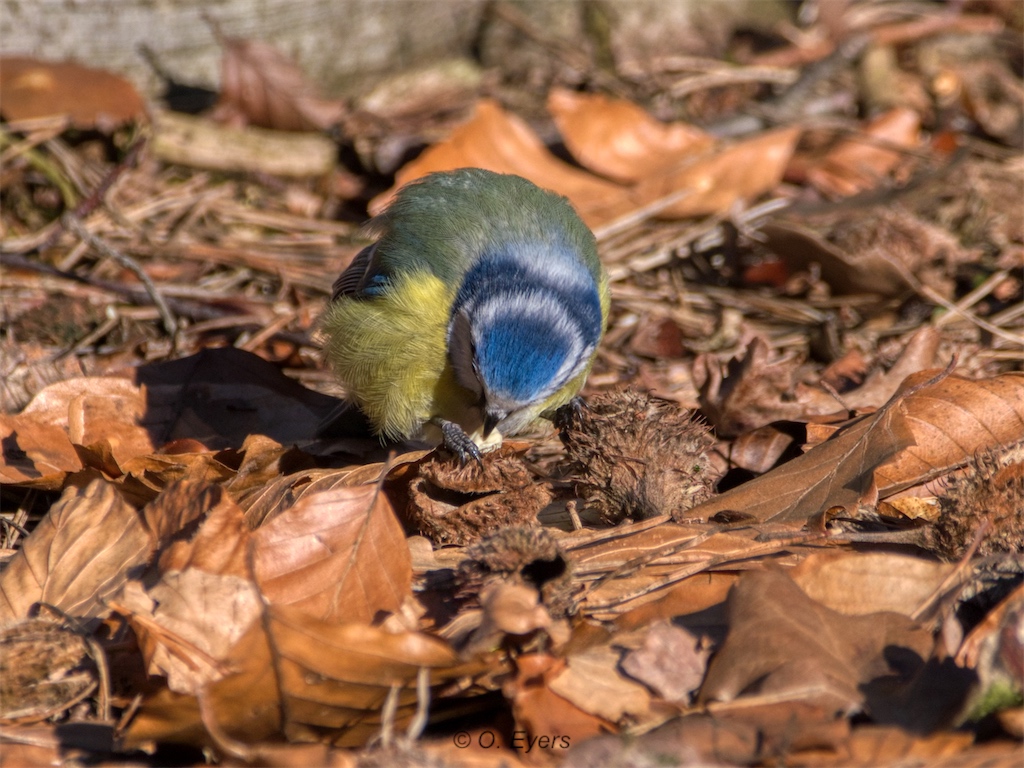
[(358, 279)]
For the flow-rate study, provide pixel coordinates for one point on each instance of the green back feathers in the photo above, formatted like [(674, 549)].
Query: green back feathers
[(443, 221)]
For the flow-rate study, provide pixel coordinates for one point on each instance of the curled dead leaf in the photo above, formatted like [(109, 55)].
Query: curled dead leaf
[(618, 138), (498, 141), (35, 454), (263, 87)]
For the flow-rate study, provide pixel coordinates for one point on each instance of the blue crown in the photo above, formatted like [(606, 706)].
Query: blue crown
[(536, 317)]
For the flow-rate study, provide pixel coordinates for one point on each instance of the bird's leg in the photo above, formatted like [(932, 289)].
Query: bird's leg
[(458, 442)]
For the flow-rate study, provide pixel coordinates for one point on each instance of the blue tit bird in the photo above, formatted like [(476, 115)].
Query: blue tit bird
[(478, 309)]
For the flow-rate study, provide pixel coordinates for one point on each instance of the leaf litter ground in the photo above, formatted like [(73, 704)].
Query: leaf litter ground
[(787, 526)]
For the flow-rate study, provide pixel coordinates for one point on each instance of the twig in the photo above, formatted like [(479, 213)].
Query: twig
[(95, 198), (71, 222), (956, 573), (195, 310), (387, 717), (684, 573), (972, 298), (97, 654), (786, 106), (419, 720), (732, 76), (647, 558), (641, 214), (932, 295)]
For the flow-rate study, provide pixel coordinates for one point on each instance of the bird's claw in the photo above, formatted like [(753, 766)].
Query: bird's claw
[(459, 443)]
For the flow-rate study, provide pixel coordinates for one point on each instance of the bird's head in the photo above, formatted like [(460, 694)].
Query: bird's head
[(520, 330)]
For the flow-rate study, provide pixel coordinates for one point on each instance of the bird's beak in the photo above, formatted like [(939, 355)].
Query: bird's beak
[(491, 420)]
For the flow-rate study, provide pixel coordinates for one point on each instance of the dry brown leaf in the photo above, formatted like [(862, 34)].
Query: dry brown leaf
[(91, 98), (95, 410), (670, 540), (930, 426), (307, 679), (143, 478), (338, 555), (187, 623), (498, 141), (592, 681), (219, 398), (768, 734), (281, 488), (783, 644), (541, 712), (35, 454), (32, 745), (657, 336), (731, 175), (857, 164), (951, 421), (855, 583), (800, 248), (920, 354), (759, 449), (670, 661), (335, 554), (754, 392), (79, 554), (219, 545), (513, 609), (261, 86), (265, 463), (871, 745), (618, 138), (703, 595)]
